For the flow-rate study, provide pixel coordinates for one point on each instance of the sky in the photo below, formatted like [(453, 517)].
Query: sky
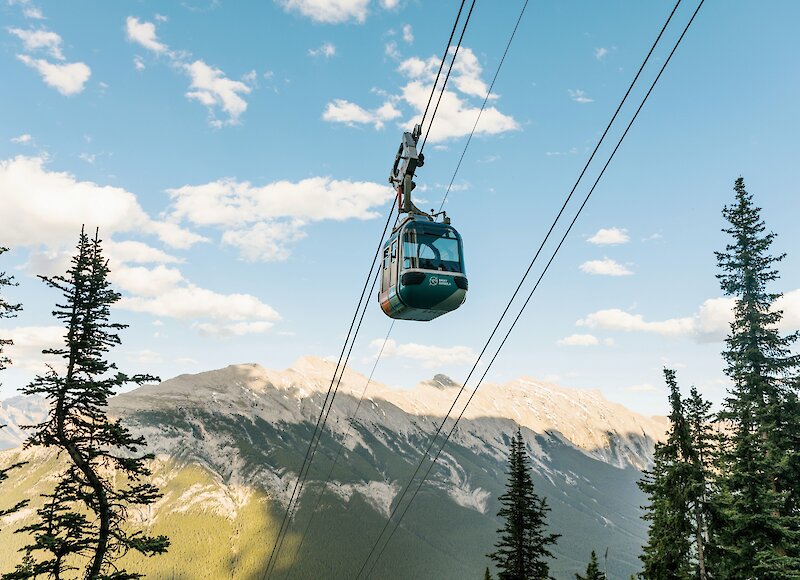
[(235, 156)]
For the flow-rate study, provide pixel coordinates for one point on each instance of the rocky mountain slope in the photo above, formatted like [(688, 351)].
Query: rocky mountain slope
[(229, 444)]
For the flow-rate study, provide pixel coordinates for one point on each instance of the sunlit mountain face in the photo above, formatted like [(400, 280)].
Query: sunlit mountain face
[(229, 444)]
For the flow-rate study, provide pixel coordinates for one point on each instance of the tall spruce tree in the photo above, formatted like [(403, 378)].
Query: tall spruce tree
[(592, 570), (523, 547), (82, 525), (759, 483), (8, 310), (700, 486), (667, 554)]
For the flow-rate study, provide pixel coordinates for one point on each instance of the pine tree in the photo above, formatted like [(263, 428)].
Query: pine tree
[(82, 523), (667, 554), (487, 575), (592, 570), (700, 490), (522, 549), (8, 310), (758, 464)]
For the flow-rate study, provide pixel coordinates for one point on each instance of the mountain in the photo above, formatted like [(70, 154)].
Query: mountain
[(229, 444), (17, 411)]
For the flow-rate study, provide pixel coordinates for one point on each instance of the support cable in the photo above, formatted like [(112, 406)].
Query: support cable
[(530, 295), (441, 64), (446, 78), (320, 424), (341, 447), (315, 441), (521, 283), (483, 106)]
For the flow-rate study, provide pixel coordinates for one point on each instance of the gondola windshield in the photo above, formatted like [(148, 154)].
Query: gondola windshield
[(431, 249)]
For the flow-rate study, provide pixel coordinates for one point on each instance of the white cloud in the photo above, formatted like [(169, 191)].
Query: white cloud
[(209, 85), (605, 267), (265, 241), (600, 53), (579, 340), (145, 281), (234, 329), (390, 4), (42, 207), (191, 302), (789, 303), (455, 116), (144, 33), (431, 356), (642, 388), (34, 40), (24, 139), (710, 323), (610, 236), (68, 79), (341, 111), (329, 11), (616, 319), (213, 89), (88, 157), (391, 51), (263, 221), (29, 341), (408, 34), (129, 251), (33, 13), (579, 96), (327, 50)]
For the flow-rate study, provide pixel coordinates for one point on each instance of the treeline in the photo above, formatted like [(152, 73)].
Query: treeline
[(80, 528), (725, 486)]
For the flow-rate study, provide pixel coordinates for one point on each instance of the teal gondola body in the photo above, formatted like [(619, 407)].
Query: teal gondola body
[(422, 270)]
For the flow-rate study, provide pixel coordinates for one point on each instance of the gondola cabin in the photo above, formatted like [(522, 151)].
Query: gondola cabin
[(423, 272)]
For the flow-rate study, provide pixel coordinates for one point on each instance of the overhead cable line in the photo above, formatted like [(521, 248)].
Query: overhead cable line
[(319, 427), (541, 276), (483, 106), (304, 476), (519, 285), (320, 423), (449, 70), (341, 447), (441, 64)]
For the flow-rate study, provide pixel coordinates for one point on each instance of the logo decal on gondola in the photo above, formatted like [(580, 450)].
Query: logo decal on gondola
[(435, 281)]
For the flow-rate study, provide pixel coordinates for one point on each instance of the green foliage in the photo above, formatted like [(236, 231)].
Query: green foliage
[(81, 524), (759, 531), (487, 575), (678, 487), (592, 570), (522, 549)]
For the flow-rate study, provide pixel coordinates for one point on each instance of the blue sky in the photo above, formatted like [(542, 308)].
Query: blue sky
[(235, 156)]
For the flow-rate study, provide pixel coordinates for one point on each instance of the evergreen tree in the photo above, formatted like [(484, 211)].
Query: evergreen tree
[(82, 523), (700, 491), (8, 310), (667, 554), (592, 570), (487, 575), (759, 483), (522, 549)]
